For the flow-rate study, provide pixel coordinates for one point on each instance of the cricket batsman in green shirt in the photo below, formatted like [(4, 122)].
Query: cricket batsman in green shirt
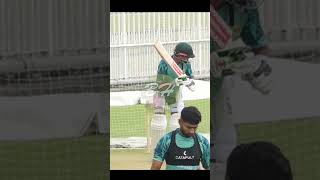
[(242, 17), (169, 92)]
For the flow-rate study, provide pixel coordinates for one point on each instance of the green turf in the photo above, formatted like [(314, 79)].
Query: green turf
[(69, 159), (138, 159), (129, 121), (299, 140)]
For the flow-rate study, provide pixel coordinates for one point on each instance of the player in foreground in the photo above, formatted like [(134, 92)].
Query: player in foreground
[(183, 148), (170, 91), (258, 160)]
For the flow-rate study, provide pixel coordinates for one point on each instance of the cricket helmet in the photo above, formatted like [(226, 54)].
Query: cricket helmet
[(184, 47), (246, 4)]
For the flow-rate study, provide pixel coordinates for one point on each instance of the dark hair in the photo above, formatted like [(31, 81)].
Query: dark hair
[(258, 160), (191, 115)]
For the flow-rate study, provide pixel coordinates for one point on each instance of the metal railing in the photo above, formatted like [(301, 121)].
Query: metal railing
[(132, 56), (291, 20), (46, 27)]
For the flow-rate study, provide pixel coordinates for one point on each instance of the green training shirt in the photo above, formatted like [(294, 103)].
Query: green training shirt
[(182, 142), (166, 75)]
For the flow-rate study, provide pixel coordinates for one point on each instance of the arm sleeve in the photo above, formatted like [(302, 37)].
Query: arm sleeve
[(162, 68), (205, 158), (252, 33), (162, 76), (189, 70), (213, 46), (162, 148)]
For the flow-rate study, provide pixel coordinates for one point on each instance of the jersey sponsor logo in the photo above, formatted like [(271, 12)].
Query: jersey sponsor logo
[(185, 156)]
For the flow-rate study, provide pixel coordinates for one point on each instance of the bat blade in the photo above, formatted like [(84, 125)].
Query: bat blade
[(168, 59), (220, 32)]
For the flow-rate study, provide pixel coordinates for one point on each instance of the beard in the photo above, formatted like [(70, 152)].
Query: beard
[(185, 134)]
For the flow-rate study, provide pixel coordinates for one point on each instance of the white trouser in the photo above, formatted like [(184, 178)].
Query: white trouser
[(179, 105), (175, 110), (224, 135), (159, 103)]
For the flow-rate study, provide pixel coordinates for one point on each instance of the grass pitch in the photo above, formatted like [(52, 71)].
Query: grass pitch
[(63, 159), (132, 121), (298, 139)]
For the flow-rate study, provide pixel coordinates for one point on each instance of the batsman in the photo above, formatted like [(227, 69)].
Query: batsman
[(169, 91), (233, 20)]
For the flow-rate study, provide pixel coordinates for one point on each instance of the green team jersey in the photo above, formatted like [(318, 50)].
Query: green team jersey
[(166, 75), (182, 142), (245, 24)]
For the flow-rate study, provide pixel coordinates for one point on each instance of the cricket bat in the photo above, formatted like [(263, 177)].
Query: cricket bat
[(220, 32), (168, 59)]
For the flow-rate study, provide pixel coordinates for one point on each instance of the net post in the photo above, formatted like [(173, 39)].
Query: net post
[(147, 99), (148, 111)]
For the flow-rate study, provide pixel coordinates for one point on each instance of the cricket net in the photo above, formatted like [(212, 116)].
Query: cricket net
[(53, 117), (131, 111), (289, 117)]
